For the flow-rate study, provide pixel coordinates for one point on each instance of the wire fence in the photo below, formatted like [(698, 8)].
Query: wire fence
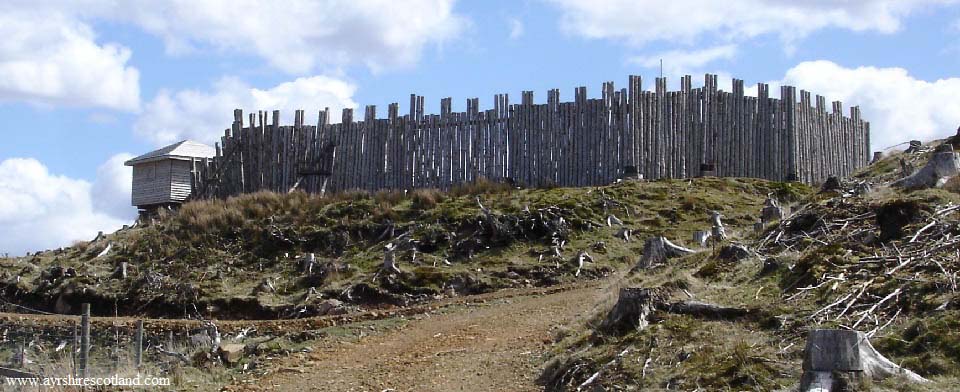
[(44, 346)]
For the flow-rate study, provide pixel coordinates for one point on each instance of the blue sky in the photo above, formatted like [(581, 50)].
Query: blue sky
[(85, 84)]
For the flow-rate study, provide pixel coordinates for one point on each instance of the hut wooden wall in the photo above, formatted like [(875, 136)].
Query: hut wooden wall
[(591, 141), (151, 183)]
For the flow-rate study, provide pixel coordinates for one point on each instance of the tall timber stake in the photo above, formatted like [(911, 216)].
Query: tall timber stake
[(84, 338), (632, 132), (138, 344)]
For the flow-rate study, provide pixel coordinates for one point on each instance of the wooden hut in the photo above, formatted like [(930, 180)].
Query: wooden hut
[(166, 177)]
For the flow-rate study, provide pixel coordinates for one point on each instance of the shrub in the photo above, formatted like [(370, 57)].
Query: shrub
[(425, 199), (482, 186)]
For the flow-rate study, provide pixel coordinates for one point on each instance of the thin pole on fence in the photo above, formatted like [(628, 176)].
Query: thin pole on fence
[(138, 343), (84, 338), (76, 347), (116, 331), (23, 356)]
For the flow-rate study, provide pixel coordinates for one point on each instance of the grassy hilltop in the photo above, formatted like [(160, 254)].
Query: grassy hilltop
[(243, 257)]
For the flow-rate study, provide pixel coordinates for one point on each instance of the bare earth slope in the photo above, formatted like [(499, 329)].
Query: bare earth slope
[(497, 345)]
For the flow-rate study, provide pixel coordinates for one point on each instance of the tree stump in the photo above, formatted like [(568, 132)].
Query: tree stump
[(914, 147), (834, 358), (307, 263), (861, 188), (635, 306), (955, 140), (734, 252), (659, 249), (831, 184), (943, 165), (701, 238), (906, 168), (613, 220), (633, 309), (121, 271), (390, 259), (718, 232), (582, 257), (771, 211)]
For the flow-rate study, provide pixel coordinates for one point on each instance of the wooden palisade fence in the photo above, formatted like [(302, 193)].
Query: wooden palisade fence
[(626, 133)]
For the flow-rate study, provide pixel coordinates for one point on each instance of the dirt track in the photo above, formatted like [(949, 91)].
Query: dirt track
[(486, 342), (492, 346)]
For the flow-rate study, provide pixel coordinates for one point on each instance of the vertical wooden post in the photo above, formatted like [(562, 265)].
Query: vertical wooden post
[(84, 338), (763, 129), (659, 131), (76, 348), (138, 344), (788, 98), (276, 151), (740, 157), (686, 130), (237, 133)]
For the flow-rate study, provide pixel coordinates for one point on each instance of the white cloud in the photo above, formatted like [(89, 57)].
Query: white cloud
[(111, 189), (516, 28), (50, 55), (643, 21), (681, 62), (295, 36), (40, 210), (898, 106), (48, 58), (203, 115)]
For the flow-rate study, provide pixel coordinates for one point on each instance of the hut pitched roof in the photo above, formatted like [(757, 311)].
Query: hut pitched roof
[(183, 150)]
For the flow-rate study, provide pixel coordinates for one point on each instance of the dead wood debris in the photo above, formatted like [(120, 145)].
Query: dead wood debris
[(845, 244)]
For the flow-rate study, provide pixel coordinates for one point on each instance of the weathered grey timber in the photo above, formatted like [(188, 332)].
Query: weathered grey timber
[(625, 133), (836, 359), (943, 165), (168, 175)]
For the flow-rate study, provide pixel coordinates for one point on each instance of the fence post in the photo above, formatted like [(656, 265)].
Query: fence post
[(76, 347), (84, 338), (138, 343), (23, 356)]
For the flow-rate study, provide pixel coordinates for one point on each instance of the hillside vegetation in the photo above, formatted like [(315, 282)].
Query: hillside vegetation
[(248, 256), (860, 256)]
